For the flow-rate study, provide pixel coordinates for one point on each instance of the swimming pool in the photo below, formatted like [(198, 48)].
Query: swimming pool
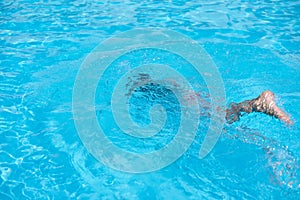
[(255, 46)]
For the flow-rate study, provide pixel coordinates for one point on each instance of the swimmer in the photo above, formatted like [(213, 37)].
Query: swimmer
[(264, 103)]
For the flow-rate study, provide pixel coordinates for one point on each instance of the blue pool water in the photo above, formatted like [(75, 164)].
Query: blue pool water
[(254, 44)]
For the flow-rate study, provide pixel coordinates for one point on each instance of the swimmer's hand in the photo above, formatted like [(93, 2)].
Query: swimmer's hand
[(265, 103)]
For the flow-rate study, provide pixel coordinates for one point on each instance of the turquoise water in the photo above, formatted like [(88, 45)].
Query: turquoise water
[(255, 46)]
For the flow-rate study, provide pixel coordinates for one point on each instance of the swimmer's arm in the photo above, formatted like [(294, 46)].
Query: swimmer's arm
[(264, 103)]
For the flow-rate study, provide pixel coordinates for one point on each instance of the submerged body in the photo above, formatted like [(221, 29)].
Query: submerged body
[(264, 103)]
